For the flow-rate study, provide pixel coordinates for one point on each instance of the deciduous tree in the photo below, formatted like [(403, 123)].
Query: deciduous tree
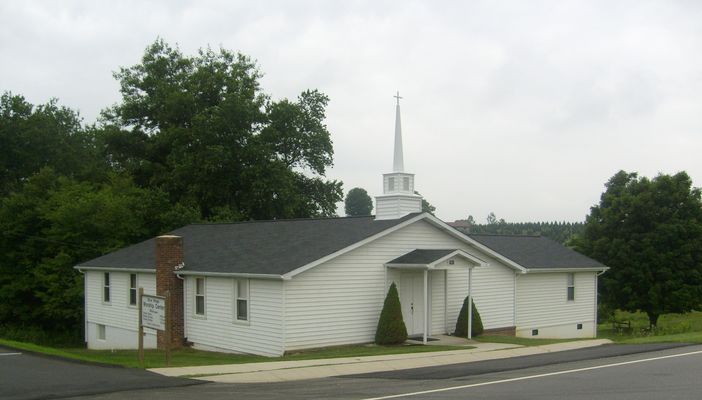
[(47, 135), (426, 206), (52, 223), (358, 202), (201, 129)]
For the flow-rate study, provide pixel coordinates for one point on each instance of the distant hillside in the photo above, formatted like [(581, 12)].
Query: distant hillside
[(561, 232)]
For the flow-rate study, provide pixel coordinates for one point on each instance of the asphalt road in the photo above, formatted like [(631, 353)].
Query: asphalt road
[(642, 377), (607, 372), (27, 376), (514, 363)]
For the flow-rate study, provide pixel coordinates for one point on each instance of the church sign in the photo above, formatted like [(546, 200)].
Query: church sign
[(153, 312)]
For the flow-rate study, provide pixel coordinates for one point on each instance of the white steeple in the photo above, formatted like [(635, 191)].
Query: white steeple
[(398, 197), (398, 164)]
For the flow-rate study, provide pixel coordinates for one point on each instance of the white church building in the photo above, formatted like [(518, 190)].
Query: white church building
[(269, 287)]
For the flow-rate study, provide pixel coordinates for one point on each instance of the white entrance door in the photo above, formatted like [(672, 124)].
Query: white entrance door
[(412, 301)]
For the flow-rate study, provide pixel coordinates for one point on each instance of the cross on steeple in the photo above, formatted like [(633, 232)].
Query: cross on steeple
[(397, 96)]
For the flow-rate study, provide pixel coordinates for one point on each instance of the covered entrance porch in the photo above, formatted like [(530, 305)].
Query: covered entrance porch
[(422, 279)]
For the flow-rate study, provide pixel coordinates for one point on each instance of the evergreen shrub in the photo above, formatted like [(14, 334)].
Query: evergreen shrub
[(462, 322), (391, 328)]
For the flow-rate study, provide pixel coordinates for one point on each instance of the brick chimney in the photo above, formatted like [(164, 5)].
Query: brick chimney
[(169, 255)]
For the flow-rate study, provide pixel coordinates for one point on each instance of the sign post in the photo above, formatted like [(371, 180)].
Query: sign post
[(141, 330), (168, 328), (153, 314)]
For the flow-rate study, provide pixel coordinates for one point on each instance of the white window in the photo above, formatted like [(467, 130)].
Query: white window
[(106, 287), (101, 332), (571, 287), (199, 296), (132, 289), (241, 299), (405, 184), (391, 184)]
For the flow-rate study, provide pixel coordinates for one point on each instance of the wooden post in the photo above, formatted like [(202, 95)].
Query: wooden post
[(168, 328), (141, 331)]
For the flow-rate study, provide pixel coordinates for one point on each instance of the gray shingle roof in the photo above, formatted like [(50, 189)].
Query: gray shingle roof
[(422, 256), (536, 251), (261, 247)]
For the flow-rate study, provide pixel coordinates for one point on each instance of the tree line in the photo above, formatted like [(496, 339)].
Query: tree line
[(193, 138), (561, 232)]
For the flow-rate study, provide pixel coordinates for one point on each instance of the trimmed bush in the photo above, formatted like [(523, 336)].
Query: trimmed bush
[(462, 322), (391, 328)]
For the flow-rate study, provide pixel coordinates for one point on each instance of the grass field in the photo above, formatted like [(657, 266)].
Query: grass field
[(681, 328), (190, 357)]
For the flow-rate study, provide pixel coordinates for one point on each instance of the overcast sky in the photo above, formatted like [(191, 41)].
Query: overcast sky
[(522, 108)]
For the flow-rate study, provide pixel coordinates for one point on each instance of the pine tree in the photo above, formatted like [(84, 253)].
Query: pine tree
[(391, 327)]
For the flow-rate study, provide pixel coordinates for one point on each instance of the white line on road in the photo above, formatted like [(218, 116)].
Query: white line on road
[(522, 378), (10, 354)]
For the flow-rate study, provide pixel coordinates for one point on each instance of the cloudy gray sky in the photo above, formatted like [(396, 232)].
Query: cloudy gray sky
[(523, 108)]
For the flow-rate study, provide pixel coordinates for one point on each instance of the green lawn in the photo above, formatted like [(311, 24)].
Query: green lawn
[(191, 357), (520, 341), (677, 328), (681, 328)]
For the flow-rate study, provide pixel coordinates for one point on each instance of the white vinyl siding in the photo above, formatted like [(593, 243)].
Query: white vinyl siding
[(396, 206), (541, 302), (263, 334), (118, 313), (493, 294), (340, 301)]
